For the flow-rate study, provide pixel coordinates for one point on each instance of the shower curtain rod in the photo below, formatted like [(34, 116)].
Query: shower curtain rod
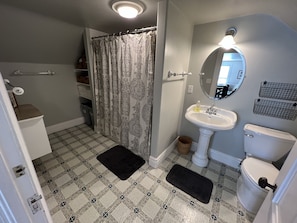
[(135, 31)]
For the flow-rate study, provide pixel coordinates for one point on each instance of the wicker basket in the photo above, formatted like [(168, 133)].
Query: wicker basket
[(184, 144)]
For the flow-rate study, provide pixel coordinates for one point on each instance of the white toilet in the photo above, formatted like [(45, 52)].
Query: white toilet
[(262, 146)]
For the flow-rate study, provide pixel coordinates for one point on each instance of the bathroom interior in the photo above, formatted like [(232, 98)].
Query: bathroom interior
[(266, 38)]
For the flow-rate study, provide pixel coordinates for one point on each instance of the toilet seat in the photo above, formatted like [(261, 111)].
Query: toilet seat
[(253, 169), (249, 193)]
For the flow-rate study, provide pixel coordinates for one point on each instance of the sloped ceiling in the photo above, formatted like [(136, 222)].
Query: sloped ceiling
[(50, 31), (205, 11), (98, 14)]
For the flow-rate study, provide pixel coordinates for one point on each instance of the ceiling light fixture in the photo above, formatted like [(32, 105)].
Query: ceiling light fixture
[(128, 9), (228, 41)]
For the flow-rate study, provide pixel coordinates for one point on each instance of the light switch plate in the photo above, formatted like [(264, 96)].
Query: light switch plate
[(190, 89)]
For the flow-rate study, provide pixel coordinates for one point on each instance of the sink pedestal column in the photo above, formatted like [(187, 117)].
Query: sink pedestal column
[(200, 157)]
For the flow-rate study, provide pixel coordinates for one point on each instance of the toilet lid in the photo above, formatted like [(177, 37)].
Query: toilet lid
[(255, 168)]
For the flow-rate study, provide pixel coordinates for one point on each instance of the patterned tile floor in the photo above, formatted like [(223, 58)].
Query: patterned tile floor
[(78, 188)]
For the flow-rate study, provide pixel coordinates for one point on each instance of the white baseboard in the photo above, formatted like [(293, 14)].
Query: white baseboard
[(65, 125), (225, 158), (220, 157), (156, 161), (212, 153)]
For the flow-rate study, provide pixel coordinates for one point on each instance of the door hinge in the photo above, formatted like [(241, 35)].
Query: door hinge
[(19, 170), (34, 203)]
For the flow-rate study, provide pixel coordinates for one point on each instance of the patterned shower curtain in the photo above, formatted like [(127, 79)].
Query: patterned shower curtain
[(123, 88)]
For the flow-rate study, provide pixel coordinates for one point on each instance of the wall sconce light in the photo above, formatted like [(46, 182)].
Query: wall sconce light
[(128, 9), (228, 41)]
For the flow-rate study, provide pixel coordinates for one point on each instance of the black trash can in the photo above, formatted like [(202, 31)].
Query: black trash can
[(87, 111), (91, 117)]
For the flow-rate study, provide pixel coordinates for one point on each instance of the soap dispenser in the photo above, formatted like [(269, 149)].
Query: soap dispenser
[(197, 107)]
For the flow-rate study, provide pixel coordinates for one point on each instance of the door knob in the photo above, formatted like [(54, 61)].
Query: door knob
[(262, 182)]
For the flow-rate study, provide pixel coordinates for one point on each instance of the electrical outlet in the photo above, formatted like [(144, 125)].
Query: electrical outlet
[(190, 89)]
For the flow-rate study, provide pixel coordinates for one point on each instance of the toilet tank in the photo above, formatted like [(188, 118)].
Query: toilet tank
[(266, 143)]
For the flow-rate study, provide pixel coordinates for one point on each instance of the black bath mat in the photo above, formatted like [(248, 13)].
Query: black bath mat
[(121, 161), (190, 182)]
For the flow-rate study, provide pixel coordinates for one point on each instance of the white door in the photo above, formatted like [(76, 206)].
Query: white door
[(281, 206), (15, 192)]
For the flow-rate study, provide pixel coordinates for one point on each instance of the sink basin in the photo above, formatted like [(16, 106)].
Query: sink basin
[(208, 120), (221, 120)]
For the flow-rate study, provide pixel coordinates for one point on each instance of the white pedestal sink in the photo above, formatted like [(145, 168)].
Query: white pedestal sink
[(208, 119)]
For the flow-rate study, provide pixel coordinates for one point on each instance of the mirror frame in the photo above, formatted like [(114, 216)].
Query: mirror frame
[(217, 68)]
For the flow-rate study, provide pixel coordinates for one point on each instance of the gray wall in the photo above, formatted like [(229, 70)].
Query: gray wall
[(269, 47), (55, 96), (168, 95), (31, 38), (31, 42)]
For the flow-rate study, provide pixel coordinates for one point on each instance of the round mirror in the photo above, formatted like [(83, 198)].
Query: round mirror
[(222, 73)]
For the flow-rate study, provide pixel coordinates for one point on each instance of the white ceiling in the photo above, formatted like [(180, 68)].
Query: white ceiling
[(98, 14), (204, 11)]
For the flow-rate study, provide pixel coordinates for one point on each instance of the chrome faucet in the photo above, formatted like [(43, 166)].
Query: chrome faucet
[(211, 110)]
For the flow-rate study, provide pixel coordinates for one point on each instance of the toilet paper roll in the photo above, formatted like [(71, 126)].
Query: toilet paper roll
[(18, 90)]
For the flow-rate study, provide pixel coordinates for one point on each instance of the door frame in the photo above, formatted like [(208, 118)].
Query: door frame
[(14, 190)]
